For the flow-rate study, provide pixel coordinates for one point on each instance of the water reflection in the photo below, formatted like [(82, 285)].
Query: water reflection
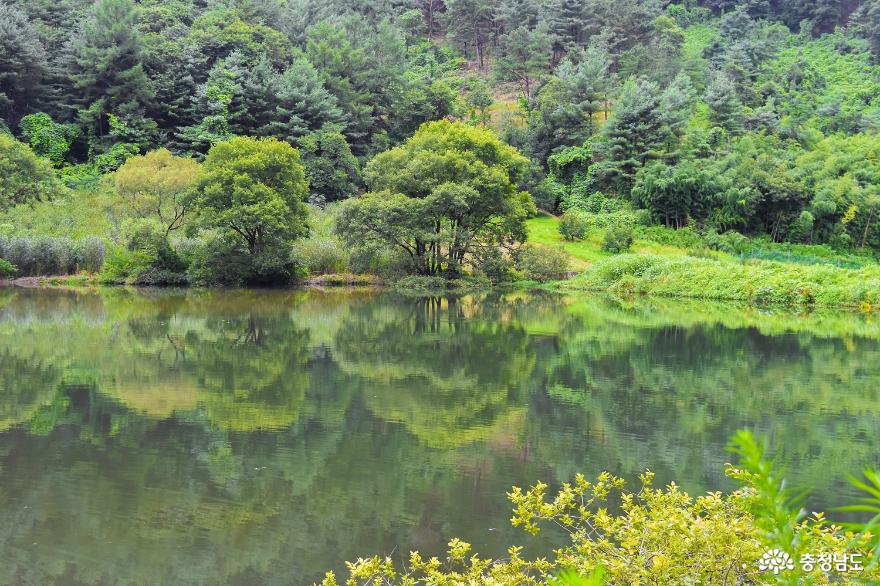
[(264, 436)]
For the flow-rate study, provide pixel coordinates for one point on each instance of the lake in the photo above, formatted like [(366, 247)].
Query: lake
[(263, 437)]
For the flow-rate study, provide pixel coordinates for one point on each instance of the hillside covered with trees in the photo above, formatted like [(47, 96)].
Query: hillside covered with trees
[(256, 141)]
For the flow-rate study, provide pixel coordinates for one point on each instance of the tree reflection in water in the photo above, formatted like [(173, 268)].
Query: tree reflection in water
[(260, 436)]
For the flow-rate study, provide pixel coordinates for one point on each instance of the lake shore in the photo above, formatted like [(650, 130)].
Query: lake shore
[(627, 276), (751, 281)]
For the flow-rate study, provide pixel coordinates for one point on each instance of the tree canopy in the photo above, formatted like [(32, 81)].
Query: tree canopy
[(443, 194), (253, 192)]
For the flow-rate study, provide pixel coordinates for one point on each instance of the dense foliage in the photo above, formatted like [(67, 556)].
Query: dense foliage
[(715, 116), (447, 193)]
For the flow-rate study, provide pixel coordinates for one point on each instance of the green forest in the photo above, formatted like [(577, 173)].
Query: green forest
[(493, 163), (266, 141)]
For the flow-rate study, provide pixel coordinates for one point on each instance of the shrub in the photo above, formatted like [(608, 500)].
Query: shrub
[(618, 238), (471, 283), (613, 269), (731, 242), (123, 265), (147, 257), (594, 203), (802, 227), (7, 269), (378, 259), (24, 177), (615, 535), (547, 194), (421, 284), (320, 256), (495, 265), (685, 237), (219, 261), (541, 263), (574, 225)]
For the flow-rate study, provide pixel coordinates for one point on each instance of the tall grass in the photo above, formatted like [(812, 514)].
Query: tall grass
[(48, 255), (730, 279)]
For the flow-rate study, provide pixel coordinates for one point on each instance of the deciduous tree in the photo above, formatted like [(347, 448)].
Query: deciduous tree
[(253, 191), (440, 196), (157, 185)]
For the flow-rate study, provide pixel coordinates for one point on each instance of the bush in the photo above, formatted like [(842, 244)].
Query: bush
[(685, 237), (320, 256), (594, 203), (471, 284), (618, 238), (495, 265), (541, 263), (421, 284), (548, 194), (575, 225), (649, 535), (24, 177), (146, 259), (802, 228), (219, 262), (122, 266), (7, 269), (90, 254), (731, 242), (378, 259)]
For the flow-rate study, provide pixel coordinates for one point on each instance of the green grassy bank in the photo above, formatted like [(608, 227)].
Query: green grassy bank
[(658, 269)]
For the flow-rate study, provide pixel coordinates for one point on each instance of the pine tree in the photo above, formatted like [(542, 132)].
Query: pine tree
[(342, 67), (23, 65), (431, 11), (567, 22), (470, 25), (107, 71), (867, 18), (304, 104), (677, 103), (255, 99), (170, 64), (586, 77), (724, 105), (361, 66), (512, 14), (525, 56), (822, 15), (635, 133), (211, 109)]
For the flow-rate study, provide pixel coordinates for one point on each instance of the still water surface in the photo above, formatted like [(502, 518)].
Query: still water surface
[(261, 437)]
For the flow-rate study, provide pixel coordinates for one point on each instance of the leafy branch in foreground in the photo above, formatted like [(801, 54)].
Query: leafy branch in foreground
[(653, 536), (777, 509), (867, 504)]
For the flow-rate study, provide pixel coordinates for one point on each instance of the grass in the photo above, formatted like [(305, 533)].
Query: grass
[(544, 231), (80, 280), (664, 270), (344, 280), (752, 281)]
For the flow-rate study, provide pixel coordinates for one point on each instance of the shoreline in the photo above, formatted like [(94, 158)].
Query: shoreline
[(625, 277)]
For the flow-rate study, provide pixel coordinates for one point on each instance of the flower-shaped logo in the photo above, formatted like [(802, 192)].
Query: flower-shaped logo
[(775, 560)]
